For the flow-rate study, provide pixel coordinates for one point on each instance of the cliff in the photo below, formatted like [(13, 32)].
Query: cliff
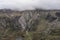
[(29, 24)]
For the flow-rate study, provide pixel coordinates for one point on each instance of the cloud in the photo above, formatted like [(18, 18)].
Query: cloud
[(29, 4)]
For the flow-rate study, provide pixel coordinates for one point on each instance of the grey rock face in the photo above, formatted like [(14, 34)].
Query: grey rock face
[(23, 22), (6, 22), (50, 18), (28, 19), (57, 14)]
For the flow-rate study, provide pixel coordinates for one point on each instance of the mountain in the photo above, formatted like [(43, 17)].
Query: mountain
[(29, 24)]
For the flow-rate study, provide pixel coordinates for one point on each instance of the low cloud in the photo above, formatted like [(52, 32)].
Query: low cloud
[(29, 4)]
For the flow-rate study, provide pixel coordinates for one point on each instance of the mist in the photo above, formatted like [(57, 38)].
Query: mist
[(29, 4)]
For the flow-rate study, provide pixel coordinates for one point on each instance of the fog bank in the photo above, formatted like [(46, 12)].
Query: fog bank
[(29, 4)]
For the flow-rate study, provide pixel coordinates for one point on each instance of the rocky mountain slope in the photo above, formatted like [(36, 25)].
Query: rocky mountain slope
[(29, 24)]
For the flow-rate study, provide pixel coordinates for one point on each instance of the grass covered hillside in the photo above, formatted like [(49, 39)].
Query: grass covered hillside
[(29, 25)]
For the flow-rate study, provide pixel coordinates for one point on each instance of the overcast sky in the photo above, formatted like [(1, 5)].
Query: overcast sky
[(29, 4)]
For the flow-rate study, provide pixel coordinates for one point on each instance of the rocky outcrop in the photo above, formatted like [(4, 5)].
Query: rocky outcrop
[(50, 18), (57, 14), (12, 22), (23, 22), (28, 19)]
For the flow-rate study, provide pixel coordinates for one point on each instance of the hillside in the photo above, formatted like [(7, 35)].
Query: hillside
[(29, 24)]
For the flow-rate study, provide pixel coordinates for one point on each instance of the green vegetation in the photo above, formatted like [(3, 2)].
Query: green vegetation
[(42, 29)]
